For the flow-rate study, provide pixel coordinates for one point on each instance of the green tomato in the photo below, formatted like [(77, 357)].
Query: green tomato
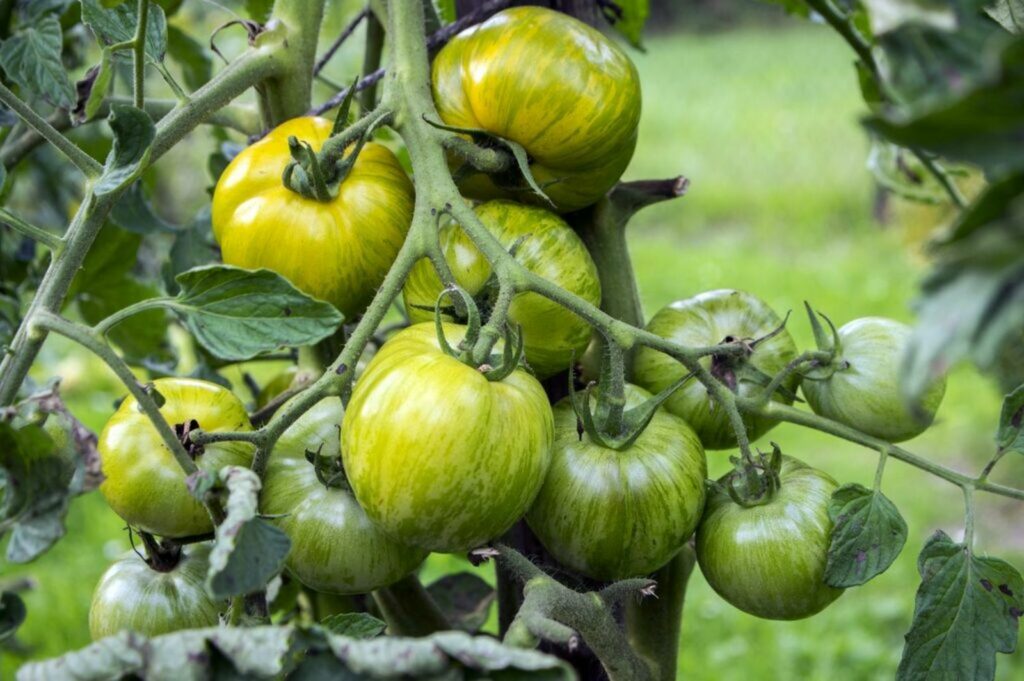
[(558, 87), (133, 596), (708, 319), (862, 386), (614, 514), (548, 247), (437, 455), (769, 560), (144, 483), (335, 547)]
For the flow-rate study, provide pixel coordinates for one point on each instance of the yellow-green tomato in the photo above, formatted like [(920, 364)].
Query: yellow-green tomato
[(769, 560), (335, 547), (709, 319), (437, 455), (548, 247), (144, 483), (861, 387), (611, 514), (133, 596), (558, 87), (339, 250)]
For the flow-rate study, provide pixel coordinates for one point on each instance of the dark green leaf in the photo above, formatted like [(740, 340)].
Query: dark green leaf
[(445, 10), (37, 8), (354, 625), (237, 314), (248, 550), (464, 598), (112, 256), (968, 609), (191, 56), (868, 534), (134, 213), (12, 614), (133, 138), (628, 17), (117, 25), (93, 88), (1011, 421), (258, 10), (31, 58), (193, 246), (1009, 14)]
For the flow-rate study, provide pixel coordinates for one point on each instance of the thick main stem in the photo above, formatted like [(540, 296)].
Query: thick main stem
[(653, 625), (288, 94)]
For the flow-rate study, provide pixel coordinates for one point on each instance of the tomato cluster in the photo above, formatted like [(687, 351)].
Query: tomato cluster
[(437, 451)]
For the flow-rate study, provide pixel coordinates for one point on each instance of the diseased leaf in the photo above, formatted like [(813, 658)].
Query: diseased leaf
[(1011, 423), (868, 534), (92, 89), (237, 314), (967, 609), (133, 139), (354, 624), (464, 598), (191, 56), (248, 551), (31, 58), (117, 25)]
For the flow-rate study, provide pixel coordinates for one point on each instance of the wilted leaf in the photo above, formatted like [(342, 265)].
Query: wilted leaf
[(354, 625), (117, 25), (31, 58), (868, 534), (464, 598)]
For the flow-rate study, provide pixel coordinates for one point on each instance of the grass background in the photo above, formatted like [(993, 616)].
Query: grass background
[(764, 123)]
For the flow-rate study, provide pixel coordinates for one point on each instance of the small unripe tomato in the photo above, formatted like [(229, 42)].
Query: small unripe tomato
[(558, 87), (611, 514), (144, 483), (861, 387), (769, 560), (339, 250), (335, 547), (545, 245), (709, 319), (133, 596), (437, 455)]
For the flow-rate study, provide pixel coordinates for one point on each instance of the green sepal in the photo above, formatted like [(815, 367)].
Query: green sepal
[(329, 469), (341, 119), (826, 341), (755, 480)]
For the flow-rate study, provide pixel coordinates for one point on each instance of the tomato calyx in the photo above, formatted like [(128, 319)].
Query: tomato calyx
[(161, 556), (754, 480), (184, 432), (732, 369), (329, 469), (827, 342), (497, 366)]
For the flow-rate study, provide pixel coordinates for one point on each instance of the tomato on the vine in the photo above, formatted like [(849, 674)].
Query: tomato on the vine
[(335, 547), (544, 244), (144, 483), (338, 250), (133, 596), (611, 514), (561, 89), (769, 559), (439, 456), (861, 386), (709, 319)]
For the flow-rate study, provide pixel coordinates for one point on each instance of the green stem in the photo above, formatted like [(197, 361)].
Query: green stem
[(883, 458), (408, 609), (139, 55), (371, 60), (48, 239), (105, 325), (940, 174), (653, 625), (969, 518), (87, 164), (792, 367), (288, 93)]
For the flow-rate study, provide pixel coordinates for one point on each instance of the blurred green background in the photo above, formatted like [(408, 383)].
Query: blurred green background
[(763, 120)]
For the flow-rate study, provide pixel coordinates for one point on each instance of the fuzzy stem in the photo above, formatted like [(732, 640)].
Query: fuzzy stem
[(371, 60), (48, 239), (653, 625), (288, 94), (139, 55)]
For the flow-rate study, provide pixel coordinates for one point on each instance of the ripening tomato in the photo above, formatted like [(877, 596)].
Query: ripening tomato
[(133, 596), (861, 387), (708, 319), (611, 514), (335, 547), (558, 87), (338, 251), (439, 456), (546, 246), (769, 560), (144, 483)]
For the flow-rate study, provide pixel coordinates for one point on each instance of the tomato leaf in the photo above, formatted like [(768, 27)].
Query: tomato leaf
[(248, 551), (133, 138), (134, 213), (191, 56), (31, 58), (868, 534), (92, 89), (12, 614), (117, 25), (1009, 14), (1011, 423), (237, 314), (968, 609), (354, 624), (258, 10), (464, 598)]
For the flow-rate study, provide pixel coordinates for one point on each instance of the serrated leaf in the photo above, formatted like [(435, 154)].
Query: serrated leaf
[(92, 89), (967, 609), (117, 25), (237, 314), (354, 625), (1009, 14), (464, 598), (12, 614), (868, 534), (1011, 423), (133, 139), (134, 213), (31, 58), (191, 56), (628, 17), (247, 551)]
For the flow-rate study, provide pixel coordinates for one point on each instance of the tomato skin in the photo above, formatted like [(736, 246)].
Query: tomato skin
[(769, 560), (335, 547), (615, 514), (560, 88), (438, 456), (864, 391), (338, 251), (707, 319), (550, 248), (133, 596), (144, 483)]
